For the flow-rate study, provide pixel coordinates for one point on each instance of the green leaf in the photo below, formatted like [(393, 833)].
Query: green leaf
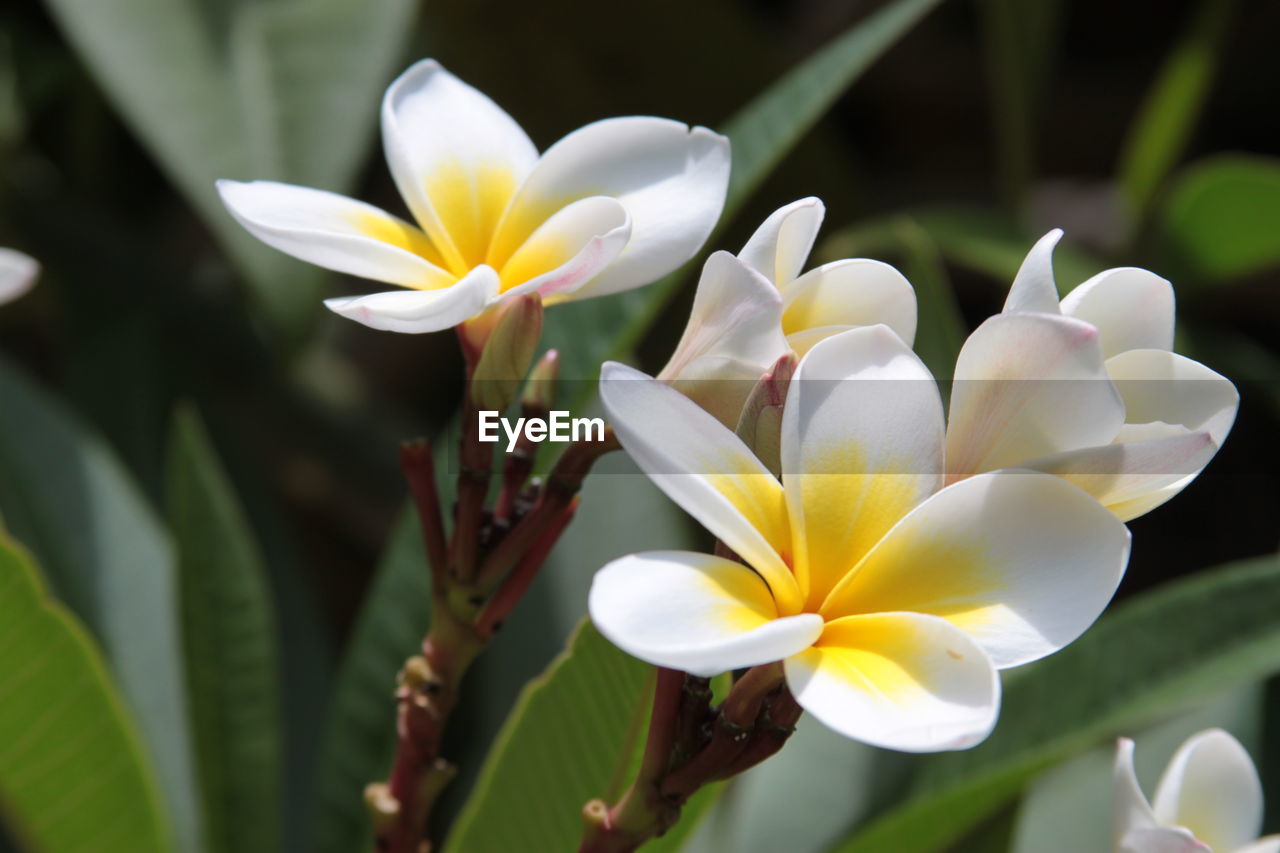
[(67, 498), (973, 238), (280, 89), (1222, 215), (762, 133), (229, 636), (73, 778), (360, 732), (1180, 642), (1164, 125), (570, 738), (1018, 47)]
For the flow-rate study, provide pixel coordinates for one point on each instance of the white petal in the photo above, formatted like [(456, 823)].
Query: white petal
[(1164, 387), (335, 232), (1133, 477), (852, 292), (456, 157), (862, 434), (17, 274), (1029, 385), (415, 311), (1021, 561), (672, 180), (720, 386), (1033, 287), (898, 680), (1132, 812), (1211, 788), (780, 246), (1162, 839), (569, 249), (694, 612), (1270, 844), (736, 315), (1132, 308), (706, 469)]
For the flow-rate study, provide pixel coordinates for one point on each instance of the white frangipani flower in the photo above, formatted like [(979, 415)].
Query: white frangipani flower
[(1209, 800), (17, 274), (612, 206), (748, 314), (1087, 389), (891, 601)]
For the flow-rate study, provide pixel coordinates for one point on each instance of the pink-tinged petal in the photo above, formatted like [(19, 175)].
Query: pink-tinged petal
[(862, 435), (671, 178), (736, 315), (417, 311), (1211, 787), (17, 274), (1033, 287), (456, 157), (694, 612), (336, 232), (1132, 308), (1161, 839), (780, 246), (1138, 474), (852, 292), (706, 469), (1021, 561), (1164, 387), (1027, 386), (568, 250), (901, 681)]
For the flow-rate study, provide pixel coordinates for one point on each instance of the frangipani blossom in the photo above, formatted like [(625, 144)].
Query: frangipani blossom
[(750, 310), (17, 274), (612, 206), (891, 600), (1087, 389), (1209, 800)]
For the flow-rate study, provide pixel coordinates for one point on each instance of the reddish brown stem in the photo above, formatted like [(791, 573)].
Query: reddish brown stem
[(513, 588), (419, 469)]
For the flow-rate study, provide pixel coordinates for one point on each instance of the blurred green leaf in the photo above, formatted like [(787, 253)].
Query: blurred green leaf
[(570, 738), (1164, 125), (1018, 46), (279, 89), (762, 132), (1222, 216), (1180, 642), (940, 327), (973, 238), (360, 733), (73, 778), (229, 637), (67, 498)]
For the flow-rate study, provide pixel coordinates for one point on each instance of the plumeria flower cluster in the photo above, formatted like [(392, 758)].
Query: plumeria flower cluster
[(1209, 800), (612, 206), (901, 558), (17, 274)]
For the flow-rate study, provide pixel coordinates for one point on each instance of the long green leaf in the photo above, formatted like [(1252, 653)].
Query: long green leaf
[(1163, 127), (230, 89), (73, 778), (569, 739), (229, 638), (360, 731), (1221, 218), (1151, 657), (762, 134), (67, 498)]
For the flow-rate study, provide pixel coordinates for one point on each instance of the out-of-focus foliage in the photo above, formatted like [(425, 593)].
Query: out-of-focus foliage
[(72, 772)]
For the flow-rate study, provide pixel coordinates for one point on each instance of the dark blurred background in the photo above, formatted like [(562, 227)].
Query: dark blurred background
[(137, 309)]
